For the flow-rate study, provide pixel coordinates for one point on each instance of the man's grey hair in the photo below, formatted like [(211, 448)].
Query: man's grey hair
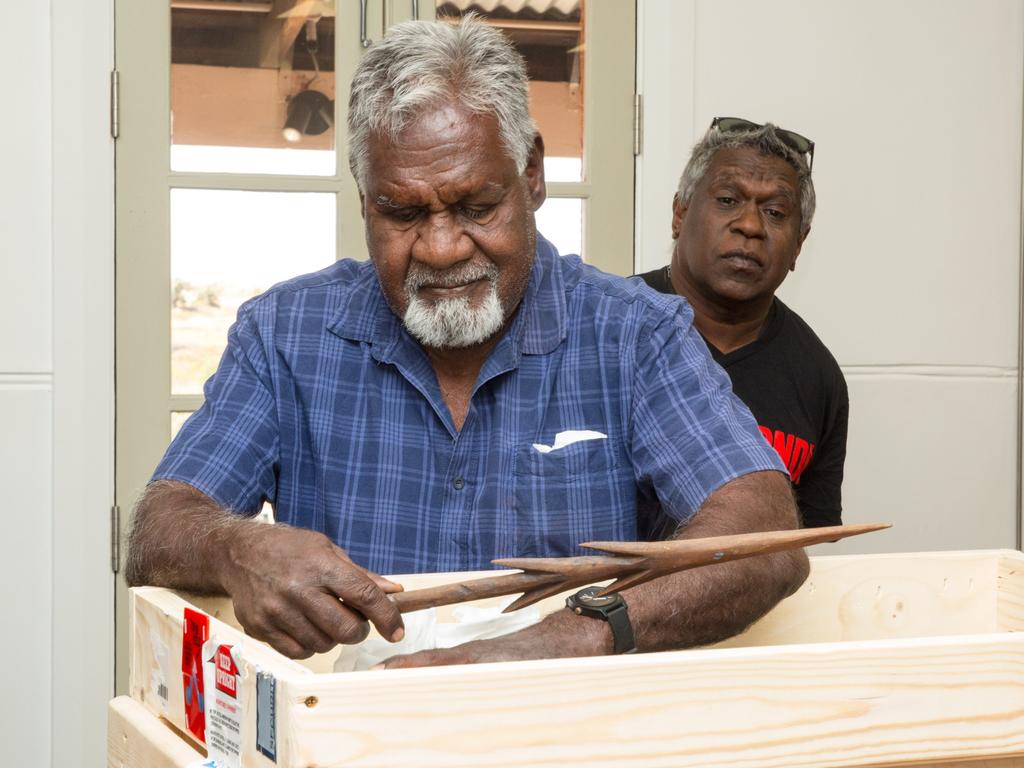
[(766, 141), (423, 64)]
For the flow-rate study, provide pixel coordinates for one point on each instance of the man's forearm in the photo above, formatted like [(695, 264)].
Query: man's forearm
[(175, 535), (709, 604)]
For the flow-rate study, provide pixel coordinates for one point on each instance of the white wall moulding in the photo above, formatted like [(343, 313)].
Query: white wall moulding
[(26, 380), (878, 660)]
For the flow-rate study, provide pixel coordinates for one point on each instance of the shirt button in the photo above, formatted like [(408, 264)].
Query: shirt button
[(458, 483)]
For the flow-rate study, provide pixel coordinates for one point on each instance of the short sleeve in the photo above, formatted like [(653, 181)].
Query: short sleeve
[(228, 448), (819, 494), (690, 433)]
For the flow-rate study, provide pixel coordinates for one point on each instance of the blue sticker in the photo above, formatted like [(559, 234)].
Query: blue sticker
[(266, 714)]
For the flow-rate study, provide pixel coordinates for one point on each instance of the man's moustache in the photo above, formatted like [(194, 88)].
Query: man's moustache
[(420, 276)]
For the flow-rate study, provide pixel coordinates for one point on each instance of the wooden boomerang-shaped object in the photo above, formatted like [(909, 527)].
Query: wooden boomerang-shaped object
[(629, 563)]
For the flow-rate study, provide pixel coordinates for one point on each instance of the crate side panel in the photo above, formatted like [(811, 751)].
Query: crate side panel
[(851, 704), (136, 738), (884, 597), (1010, 592), (155, 653), (156, 645)]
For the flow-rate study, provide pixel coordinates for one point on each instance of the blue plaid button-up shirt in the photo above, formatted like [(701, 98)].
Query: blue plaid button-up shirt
[(326, 407)]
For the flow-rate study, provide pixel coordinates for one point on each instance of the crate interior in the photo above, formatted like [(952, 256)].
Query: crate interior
[(846, 597)]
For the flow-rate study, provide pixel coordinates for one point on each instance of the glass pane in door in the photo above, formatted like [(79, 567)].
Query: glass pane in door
[(550, 34), (226, 247), (252, 87), (178, 419), (560, 220)]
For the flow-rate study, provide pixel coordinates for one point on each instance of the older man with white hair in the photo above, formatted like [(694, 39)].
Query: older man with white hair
[(465, 395)]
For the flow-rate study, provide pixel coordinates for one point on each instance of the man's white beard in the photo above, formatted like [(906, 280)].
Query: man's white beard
[(452, 323)]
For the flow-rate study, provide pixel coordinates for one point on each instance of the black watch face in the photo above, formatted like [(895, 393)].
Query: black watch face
[(590, 598)]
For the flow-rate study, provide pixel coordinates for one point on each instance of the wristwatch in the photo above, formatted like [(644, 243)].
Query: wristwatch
[(611, 608)]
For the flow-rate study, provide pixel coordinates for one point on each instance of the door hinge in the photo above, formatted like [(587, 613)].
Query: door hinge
[(115, 539), (638, 123), (115, 103)]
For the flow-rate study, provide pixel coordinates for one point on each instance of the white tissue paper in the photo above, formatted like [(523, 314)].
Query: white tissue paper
[(424, 632), (569, 437)]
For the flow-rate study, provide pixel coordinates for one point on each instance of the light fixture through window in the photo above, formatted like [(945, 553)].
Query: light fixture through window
[(310, 113)]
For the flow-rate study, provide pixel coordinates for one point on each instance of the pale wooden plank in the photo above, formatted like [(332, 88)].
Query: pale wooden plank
[(1010, 592), (137, 739), (858, 597), (1010, 762), (836, 704)]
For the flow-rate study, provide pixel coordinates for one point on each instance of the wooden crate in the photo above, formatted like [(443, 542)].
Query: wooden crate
[(136, 739), (879, 660)]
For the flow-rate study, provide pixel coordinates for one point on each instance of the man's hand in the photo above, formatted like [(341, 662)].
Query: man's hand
[(474, 652), (562, 634), (301, 594), (291, 587)]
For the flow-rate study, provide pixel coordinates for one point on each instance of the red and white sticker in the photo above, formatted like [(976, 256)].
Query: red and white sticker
[(195, 632), (224, 707)]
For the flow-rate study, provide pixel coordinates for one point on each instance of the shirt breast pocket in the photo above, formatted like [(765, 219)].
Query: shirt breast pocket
[(578, 493)]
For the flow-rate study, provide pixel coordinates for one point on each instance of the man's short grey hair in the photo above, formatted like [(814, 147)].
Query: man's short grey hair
[(423, 64), (766, 141)]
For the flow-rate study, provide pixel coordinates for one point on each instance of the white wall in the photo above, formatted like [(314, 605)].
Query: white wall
[(911, 274), (56, 384), (26, 392)]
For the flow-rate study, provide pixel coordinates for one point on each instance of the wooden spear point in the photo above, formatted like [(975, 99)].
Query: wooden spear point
[(664, 557), (629, 563)]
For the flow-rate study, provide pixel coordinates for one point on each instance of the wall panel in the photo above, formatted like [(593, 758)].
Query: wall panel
[(25, 195), (25, 568), (933, 454)]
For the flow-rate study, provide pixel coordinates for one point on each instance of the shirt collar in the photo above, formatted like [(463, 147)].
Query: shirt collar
[(362, 307), (538, 328)]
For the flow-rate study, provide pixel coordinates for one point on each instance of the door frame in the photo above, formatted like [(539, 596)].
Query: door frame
[(82, 173)]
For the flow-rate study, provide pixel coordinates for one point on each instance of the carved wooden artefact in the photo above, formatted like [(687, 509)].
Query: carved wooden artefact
[(629, 563)]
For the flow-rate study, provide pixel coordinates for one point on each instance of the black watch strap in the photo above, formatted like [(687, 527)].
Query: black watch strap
[(612, 608)]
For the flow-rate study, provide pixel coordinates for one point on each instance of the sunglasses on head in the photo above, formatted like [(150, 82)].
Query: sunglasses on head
[(794, 141)]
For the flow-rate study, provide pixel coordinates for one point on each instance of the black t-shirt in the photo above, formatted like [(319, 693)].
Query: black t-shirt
[(794, 388)]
